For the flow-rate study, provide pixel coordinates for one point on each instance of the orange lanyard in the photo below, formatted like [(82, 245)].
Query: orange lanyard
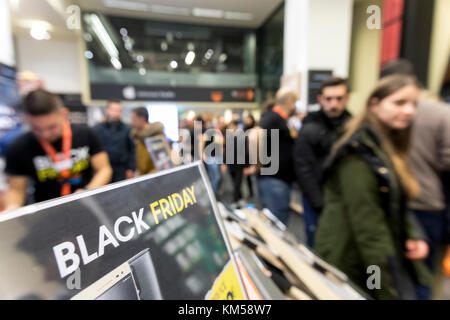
[(66, 156), (280, 112)]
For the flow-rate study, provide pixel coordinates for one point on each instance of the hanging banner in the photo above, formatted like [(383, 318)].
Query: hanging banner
[(153, 237)]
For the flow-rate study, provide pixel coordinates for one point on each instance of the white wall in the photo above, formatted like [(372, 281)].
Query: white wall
[(295, 35), (317, 36), (57, 62), (329, 36), (440, 46), (6, 38)]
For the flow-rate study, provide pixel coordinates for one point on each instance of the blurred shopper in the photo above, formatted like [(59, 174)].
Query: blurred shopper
[(368, 180), (430, 155), (59, 157), (275, 191), (268, 105), (319, 131), (142, 130), (249, 124), (115, 138), (235, 168), (221, 125), (212, 151)]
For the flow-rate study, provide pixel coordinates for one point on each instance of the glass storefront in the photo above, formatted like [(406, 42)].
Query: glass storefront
[(270, 54), (145, 52)]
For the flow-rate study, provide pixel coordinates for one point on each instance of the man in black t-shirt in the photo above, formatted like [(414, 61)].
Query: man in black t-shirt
[(60, 158)]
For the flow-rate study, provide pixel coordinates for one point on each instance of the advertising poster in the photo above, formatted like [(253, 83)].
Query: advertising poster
[(159, 151), (9, 98), (316, 77), (153, 237)]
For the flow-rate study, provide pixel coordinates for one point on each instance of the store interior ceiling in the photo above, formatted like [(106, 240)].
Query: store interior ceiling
[(54, 13)]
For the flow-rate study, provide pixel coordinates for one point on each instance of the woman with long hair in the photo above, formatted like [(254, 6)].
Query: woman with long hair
[(365, 229)]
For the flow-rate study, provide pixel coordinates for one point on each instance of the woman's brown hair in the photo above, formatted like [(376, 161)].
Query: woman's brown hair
[(394, 142)]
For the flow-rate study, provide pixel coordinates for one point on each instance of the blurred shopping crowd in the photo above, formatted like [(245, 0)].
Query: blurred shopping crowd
[(375, 186)]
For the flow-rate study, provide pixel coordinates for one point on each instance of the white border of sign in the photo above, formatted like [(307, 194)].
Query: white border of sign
[(222, 226)]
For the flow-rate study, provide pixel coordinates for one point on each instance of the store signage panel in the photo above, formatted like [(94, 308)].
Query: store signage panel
[(152, 93), (159, 151), (315, 79), (9, 98), (153, 237)]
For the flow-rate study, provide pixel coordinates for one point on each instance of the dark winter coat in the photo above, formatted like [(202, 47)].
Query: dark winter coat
[(365, 221), (115, 139), (312, 147)]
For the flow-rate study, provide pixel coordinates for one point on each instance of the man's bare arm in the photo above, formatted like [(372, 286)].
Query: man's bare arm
[(16, 193), (102, 171)]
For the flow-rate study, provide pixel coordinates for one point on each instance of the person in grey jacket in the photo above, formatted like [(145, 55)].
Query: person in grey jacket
[(430, 157), (114, 136)]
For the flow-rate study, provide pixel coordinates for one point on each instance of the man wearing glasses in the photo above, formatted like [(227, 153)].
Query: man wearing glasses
[(320, 130)]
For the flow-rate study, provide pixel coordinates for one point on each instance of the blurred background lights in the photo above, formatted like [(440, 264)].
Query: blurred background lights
[(88, 54), (190, 57), (39, 31)]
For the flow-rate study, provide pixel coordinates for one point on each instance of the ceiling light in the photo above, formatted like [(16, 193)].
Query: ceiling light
[(39, 31), (127, 5), (223, 57), (88, 37), (238, 15), (88, 54), (209, 54), (173, 64), (169, 37), (142, 71), (170, 10), (103, 36), (140, 59), (190, 57), (116, 63), (164, 46), (208, 13), (106, 41), (124, 32)]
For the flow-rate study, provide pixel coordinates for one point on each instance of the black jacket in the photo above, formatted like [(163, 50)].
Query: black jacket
[(115, 139), (311, 149)]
